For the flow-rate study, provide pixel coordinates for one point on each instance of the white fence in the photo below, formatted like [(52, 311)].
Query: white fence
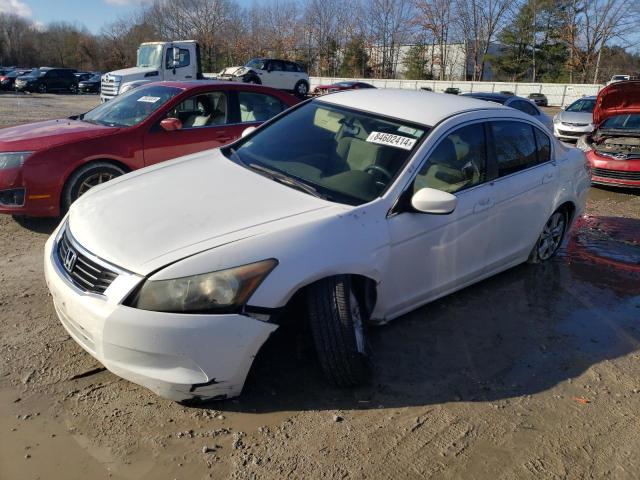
[(558, 94)]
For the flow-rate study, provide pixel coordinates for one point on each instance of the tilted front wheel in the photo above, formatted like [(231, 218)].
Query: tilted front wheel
[(87, 177), (551, 238), (338, 321)]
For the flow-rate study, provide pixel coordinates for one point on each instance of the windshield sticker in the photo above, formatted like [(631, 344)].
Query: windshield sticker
[(407, 130), (391, 140), (148, 99)]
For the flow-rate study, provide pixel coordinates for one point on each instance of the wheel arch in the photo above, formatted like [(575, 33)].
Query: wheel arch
[(112, 161)]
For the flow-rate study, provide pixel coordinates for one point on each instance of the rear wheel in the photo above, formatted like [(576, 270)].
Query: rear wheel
[(42, 88), (551, 237), (73, 88), (87, 177), (338, 322), (301, 89)]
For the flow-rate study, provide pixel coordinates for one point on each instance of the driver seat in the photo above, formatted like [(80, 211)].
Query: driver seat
[(359, 154)]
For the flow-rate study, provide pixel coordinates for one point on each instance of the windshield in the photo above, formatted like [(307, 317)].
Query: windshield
[(257, 63), (344, 84), (583, 106), (341, 154), (131, 108), (94, 78), (150, 56), (622, 122)]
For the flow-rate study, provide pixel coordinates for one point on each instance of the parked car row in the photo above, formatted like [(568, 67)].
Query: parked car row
[(357, 207), (47, 79)]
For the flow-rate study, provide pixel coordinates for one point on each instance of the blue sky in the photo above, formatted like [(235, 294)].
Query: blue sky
[(93, 14)]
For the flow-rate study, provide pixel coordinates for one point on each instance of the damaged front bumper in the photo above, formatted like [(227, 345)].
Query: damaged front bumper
[(178, 356)]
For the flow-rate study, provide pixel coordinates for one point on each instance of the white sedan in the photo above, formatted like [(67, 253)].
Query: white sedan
[(363, 204)]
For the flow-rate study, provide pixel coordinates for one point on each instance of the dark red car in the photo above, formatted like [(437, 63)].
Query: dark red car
[(613, 148), (45, 166), (340, 86)]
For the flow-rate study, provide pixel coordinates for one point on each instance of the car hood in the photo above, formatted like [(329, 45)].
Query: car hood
[(233, 70), (42, 135), (617, 99), (575, 117), (150, 218), (126, 73)]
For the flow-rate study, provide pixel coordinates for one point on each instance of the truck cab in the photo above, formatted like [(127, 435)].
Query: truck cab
[(156, 61)]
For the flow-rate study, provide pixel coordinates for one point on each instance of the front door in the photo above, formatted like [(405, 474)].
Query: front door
[(206, 124), (432, 255)]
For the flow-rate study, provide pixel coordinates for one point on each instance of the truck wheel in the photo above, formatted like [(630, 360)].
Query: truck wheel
[(85, 178), (337, 320), (42, 88), (301, 89)]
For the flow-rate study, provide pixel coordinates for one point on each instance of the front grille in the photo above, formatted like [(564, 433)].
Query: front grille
[(566, 133), (109, 88), (85, 273), (569, 124), (617, 174)]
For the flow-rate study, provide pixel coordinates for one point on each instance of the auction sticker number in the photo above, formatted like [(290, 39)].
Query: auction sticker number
[(391, 140), (149, 99)]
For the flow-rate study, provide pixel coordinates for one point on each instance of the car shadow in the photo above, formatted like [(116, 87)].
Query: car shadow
[(518, 333), (38, 225)]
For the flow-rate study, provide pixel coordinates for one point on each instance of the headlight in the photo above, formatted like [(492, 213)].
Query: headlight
[(224, 290), (12, 159)]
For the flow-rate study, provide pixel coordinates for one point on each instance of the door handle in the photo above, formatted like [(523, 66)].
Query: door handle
[(483, 204), (547, 177)]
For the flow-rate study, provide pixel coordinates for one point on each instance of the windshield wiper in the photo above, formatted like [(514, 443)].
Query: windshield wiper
[(285, 179)]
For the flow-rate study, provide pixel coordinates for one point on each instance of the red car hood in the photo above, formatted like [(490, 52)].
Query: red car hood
[(327, 87), (41, 135), (616, 99)]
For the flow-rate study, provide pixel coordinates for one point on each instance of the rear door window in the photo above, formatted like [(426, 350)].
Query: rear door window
[(258, 107), (202, 110), (514, 146), (525, 107)]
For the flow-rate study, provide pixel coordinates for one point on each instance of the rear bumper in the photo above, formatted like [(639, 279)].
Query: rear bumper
[(177, 356)]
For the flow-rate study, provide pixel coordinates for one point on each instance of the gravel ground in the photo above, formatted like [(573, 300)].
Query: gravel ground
[(532, 374)]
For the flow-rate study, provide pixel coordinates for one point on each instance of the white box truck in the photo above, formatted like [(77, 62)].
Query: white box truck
[(156, 61)]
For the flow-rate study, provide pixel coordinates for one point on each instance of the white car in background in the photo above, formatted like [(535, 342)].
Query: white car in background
[(363, 205), (270, 72), (576, 120)]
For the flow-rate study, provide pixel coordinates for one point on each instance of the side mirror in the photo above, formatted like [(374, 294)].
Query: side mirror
[(171, 124), (430, 200), (176, 57), (247, 131)]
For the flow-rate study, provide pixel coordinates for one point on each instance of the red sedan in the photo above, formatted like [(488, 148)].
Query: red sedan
[(613, 148), (339, 87), (45, 166)]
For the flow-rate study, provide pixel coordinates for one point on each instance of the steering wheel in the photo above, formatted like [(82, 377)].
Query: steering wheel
[(379, 169)]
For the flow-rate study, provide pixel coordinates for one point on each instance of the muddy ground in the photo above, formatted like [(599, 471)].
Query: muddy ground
[(532, 374)]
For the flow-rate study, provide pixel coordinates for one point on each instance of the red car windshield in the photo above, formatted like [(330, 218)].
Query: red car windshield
[(131, 108)]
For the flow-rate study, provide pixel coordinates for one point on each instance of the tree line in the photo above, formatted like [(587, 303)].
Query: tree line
[(580, 41)]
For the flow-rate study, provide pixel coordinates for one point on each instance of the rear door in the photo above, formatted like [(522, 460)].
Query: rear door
[(524, 190), (209, 120)]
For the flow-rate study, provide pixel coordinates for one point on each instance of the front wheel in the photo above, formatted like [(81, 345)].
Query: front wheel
[(551, 238), (338, 321), (301, 89), (87, 177), (42, 88), (73, 89)]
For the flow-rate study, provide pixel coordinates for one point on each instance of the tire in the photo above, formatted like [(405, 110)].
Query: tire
[(254, 80), (338, 322), (301, 89), (86, 177), (74, 89), (551, 238), (42, 88)]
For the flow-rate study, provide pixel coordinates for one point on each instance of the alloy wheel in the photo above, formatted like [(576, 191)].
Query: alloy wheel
[(551, 236), (93, 180)]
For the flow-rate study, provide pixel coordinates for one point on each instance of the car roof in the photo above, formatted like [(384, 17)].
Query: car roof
[(494, 97), (205, 84), (588, 97), (426, 108)]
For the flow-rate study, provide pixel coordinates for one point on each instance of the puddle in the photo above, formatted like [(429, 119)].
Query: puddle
[(607, 241)]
